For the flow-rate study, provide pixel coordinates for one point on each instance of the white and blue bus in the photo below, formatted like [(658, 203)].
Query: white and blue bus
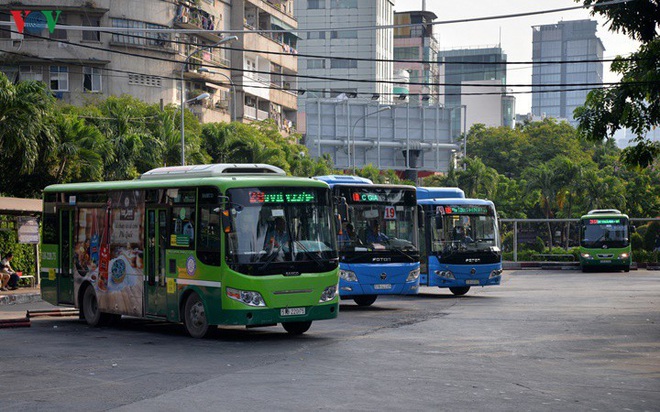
[(460, 241), (378, 247)]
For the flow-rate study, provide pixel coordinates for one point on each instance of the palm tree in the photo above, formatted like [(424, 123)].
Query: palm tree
[(26, 111), (79, 150), (543, 181)]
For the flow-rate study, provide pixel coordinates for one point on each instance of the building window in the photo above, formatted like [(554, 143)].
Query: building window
[(59, 34), (59, 78), (315, 63), (344, 34), (250, 68), (91, 21), (343, 64), (30, 73), (315, 35), (315, 4), (92, 79), (344, 4), (406, 53), (152, 39)]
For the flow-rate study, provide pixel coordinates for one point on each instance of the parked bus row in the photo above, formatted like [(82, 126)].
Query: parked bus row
[(244, 244)]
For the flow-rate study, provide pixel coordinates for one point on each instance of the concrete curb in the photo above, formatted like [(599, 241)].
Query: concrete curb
[(13, 299)]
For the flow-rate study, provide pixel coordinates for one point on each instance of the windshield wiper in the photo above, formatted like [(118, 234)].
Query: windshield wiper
[(402, 252), (310, 254)]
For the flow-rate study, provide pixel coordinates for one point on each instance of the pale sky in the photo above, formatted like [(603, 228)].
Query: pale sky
[(516, 32)]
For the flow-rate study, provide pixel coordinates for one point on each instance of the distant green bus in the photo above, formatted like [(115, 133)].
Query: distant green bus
[(205, 245), (605, 240)]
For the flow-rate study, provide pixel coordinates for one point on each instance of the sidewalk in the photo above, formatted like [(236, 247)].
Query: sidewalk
[(20, 295)]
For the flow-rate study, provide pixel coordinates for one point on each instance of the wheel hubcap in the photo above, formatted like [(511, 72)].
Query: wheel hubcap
[(197, 315)]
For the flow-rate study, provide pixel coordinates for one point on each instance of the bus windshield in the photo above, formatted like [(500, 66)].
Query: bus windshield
[(464, 229), (379, 219), (610, 232), (281, 230)]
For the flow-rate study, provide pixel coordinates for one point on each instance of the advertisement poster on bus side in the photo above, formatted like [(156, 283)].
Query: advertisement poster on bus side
[(109, 251)]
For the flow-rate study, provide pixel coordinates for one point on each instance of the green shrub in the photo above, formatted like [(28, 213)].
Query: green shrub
[(636, 241), (24, 259), (507, 242), (649, 236)]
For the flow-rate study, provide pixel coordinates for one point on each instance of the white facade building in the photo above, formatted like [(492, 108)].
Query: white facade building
[(339, 45)]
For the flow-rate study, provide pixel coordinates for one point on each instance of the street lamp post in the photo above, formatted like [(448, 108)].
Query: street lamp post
[(351, 134), (233, 90), (183, 91)]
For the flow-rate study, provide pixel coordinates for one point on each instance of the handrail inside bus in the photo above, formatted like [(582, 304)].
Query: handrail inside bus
[(211, 170)]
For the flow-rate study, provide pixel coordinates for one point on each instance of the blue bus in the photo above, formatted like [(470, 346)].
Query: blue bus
[(460, 241), (378, 252)]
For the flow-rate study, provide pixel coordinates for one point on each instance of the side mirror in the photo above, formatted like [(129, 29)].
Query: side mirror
[(227, 221), (420, 217), (342, 208), (438, 221)]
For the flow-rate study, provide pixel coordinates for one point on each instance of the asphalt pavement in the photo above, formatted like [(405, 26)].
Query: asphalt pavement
[(543, 340)]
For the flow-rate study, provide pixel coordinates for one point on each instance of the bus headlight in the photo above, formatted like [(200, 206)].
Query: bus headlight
[(624, 256), (413, 275), (495, 273), (348, 275), (328, 294), (585, 255), (250, 298)]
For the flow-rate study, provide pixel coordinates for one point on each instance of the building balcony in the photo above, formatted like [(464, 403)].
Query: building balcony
[(190, 16), (259, 43), (252, 113)]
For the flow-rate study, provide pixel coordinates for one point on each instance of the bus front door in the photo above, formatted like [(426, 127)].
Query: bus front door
[(65, 276), (155, 287)]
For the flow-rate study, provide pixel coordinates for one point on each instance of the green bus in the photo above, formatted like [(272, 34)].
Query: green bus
[(605, 240), (220, 244)]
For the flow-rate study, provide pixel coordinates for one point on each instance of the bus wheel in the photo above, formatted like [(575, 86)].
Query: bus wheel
[(365, 300), (90, 307), (296, 328), (460, 291), (194, 317)]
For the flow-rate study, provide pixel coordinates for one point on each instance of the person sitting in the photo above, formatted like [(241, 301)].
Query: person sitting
[(348, 236), (9, 276), (278, 238), (374, 235)]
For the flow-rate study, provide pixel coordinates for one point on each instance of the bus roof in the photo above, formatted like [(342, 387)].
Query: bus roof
[(598, 213), (455, 201), (440, 193), (344, 179), (211, 170), (227, 181)]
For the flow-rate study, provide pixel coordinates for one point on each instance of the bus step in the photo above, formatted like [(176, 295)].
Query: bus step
[(15, 323), (52, 312)]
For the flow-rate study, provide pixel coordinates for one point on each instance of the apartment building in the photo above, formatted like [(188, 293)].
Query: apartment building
[(415, 43), (244, 80)]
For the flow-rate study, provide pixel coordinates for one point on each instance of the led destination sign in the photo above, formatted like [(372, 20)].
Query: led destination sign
[(604, 221), (366, 197), (282, 197), (466, 210)]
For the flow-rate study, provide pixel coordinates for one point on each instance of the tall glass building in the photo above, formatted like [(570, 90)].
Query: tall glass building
[(473, 65), (564, 41)]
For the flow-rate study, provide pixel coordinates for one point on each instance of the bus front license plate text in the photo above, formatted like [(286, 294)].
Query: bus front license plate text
[(383, 286), (292, 311), (606, 261), (472, 282)]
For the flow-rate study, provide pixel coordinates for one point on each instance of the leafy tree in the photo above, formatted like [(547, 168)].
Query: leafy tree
[(26, 111), (634, 102)]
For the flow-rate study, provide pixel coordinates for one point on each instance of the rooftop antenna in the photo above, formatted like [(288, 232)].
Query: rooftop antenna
[(423, 5), (500, 43)]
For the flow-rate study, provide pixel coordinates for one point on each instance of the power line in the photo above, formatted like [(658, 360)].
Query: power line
[(299, 76), (358, 28), (316, 91)]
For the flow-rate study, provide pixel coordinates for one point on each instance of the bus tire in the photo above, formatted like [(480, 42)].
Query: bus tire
[(459, 291), (296, 328), (90, 309), (194, 317), (365, 300)]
